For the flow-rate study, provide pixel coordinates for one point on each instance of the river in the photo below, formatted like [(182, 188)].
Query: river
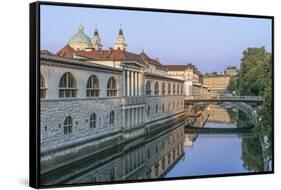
[(224, 153), (177, 151)]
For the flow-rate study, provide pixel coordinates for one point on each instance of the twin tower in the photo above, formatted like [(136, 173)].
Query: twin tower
[(80, 41)]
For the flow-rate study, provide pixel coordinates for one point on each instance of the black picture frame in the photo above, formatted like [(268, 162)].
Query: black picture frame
[(34, 90)]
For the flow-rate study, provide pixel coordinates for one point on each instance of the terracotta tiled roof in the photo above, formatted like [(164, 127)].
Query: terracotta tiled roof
[(147, 59), (66, 51), (110, 54)]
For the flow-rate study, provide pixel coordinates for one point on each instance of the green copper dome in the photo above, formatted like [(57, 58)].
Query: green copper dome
[(80, 37)]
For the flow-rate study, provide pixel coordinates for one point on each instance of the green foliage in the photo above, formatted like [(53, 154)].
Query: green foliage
[(255, 78)]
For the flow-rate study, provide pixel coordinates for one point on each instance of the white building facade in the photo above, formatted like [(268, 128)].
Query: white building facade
[(94, 99)]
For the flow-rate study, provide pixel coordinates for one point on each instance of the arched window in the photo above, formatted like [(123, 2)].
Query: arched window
[(68, 125), (163, 89), (178, 89), (111, 87), (93, 121), (169, 89), (93, 86), (67, 86), (111, 117), (43, 87), (156, 89), (148, 88), (174, 89), (156, 109), (148, 111)]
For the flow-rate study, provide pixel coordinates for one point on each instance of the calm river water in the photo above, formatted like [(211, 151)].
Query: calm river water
[(212, 153)]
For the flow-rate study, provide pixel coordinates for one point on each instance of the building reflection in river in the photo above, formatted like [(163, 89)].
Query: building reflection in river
[(144, 158)]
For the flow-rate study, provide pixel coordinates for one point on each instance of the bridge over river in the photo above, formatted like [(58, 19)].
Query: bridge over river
[(245, 99)]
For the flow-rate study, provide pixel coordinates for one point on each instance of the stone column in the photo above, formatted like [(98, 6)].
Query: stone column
[(131, 84), (139, 88), (124, 83), (128, 83), (136, 83)]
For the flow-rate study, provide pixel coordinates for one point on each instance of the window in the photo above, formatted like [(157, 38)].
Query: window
[(148, 88), (111, 87), (93, 121), (148, 111), (163, 89), (163, 108), (169, 89), (156, 89), (174, 89), (68, 125), (178, 89), (43, 87), (93, 86), (111, 117), (67, 86)]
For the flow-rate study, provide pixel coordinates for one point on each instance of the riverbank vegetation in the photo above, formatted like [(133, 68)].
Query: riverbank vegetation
[(255, 79)]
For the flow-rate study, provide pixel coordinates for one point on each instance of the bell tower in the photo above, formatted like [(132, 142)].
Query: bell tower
[(96, 41), (120, 43)]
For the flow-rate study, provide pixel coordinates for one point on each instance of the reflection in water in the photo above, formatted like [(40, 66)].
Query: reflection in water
[(210, 154), (176, 152), (144, 158)]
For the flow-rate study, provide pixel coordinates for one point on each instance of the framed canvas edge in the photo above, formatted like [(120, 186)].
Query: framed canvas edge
[(34, 92)]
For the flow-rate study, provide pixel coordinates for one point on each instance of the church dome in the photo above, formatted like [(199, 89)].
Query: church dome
[(80, 39)]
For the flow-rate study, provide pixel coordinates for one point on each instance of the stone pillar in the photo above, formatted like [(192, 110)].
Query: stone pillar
[(128, 83), (136, 83), (124, 83), (139, 84), (131, 84)]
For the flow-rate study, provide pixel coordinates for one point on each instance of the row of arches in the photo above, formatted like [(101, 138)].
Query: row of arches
[(68, 86), (172, 89), (68, 122)]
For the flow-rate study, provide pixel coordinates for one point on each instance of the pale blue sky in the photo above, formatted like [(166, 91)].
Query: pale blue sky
[(210, 42)]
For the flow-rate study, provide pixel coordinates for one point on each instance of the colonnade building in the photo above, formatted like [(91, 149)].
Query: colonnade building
[(93, 99)]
